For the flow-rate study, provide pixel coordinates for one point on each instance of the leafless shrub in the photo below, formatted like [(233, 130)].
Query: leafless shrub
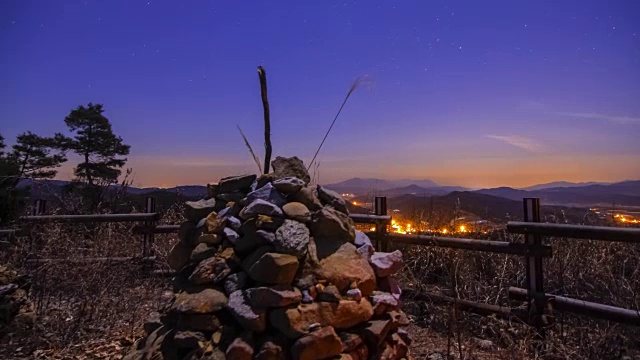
[(86, 293), (602, 272)]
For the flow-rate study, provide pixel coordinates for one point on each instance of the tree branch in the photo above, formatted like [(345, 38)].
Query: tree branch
[(267, 121)]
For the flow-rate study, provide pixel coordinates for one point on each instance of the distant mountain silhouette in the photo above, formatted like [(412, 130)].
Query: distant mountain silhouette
[(557, 184), (626, 193), (420, 191), (360, 186)]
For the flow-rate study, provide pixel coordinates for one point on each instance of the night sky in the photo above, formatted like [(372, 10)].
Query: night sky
[(472, 93)]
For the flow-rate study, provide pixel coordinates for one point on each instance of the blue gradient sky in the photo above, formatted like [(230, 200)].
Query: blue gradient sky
[(464, 92)]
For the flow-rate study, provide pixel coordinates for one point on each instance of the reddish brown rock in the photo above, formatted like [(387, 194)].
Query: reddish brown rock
[(350, 341), (322, 343), (295, 322), (274, 296), (375, 331), (341, 264), (360, 353), (239, 349), (214, 225)]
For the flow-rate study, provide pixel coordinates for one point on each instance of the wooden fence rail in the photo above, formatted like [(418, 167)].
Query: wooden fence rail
[(604, 233), (533, 250)]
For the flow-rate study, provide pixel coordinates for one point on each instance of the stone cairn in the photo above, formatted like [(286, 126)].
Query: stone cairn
[(16, 310), (270, 267)]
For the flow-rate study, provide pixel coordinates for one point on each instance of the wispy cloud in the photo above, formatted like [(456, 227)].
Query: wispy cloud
[(605, 117), (518, 141)]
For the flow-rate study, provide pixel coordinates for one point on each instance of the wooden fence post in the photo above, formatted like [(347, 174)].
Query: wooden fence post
[(381, 227), (39, 207), (534, 271), (147, 245)]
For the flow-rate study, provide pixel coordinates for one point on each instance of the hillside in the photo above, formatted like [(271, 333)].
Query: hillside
[(626, 193)]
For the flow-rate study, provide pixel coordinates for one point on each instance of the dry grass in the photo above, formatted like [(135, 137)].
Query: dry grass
[(96, 309), (86, 309), (607, 273)]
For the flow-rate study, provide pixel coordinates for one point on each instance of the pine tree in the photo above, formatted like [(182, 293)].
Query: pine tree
[(102, 151), (32, 157), (95, 142), (37, 157)]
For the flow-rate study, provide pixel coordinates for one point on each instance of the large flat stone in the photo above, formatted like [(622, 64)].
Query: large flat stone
[(341, 264), (295, 322), (322, 343), (330, 223), (203, 302)]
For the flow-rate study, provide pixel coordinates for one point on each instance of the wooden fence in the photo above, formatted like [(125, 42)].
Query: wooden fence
[(533, 251)]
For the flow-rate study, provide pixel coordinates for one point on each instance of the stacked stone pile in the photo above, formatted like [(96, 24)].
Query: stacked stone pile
[(16, 310), (270, 267)]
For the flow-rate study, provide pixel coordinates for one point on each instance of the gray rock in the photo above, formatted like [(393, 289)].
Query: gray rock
[(292, 238), (235, 282), (232, 196), (366, 251), (330, 223), (209, 239), (250, 318), (306, 297), (188, 339), (226, 212), (288, 185), (385, 264), (362, 239), (267, 193), (250, 242), (354, 294), (231, 235), (240, 349), (290, 167), (203, 251), (179, 255), (187, 233), (235, 183), (330, 294), (332, 198), (260, 207), (210, 271), (262, 180), (383, 302), (390, 285), (307, 196), (203, 302), (234, 223), (196, 210)]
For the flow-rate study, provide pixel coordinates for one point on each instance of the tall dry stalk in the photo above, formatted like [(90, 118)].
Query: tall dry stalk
[(361, 80), (246, 142), (262, 75)]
